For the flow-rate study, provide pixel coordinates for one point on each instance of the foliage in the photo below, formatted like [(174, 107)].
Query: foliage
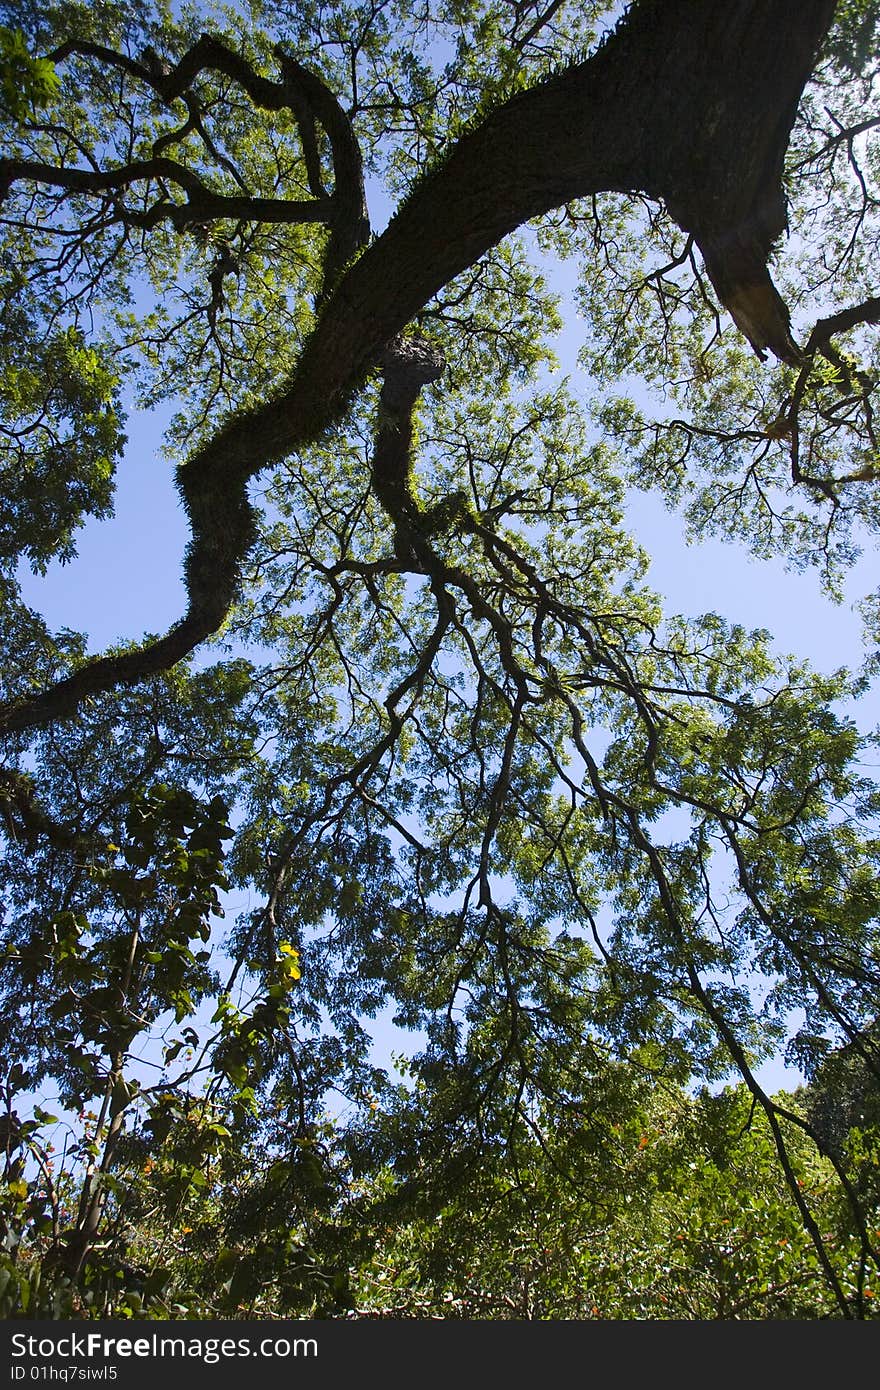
[(671, 1208), (424, 722), (26, 83)]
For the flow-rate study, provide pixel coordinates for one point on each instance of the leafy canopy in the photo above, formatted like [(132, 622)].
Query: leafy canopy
[(424, 716)]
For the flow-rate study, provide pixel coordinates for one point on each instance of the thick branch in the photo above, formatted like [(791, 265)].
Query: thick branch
[(826, 329), (202, 204), (308, 94), (300, 91), (409, 364), (27, 821), (170, 83), (689, 101)]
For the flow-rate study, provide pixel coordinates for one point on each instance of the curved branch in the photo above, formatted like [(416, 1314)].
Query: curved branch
[(310, 96), (825, 329), (409, 364), (634, 116), (203, 203), (300, 91), (171, 82), (26, 820), (819, 341)]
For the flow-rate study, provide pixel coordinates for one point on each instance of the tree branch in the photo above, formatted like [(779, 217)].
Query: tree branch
[(202, 203), (826, 329), (690, 102), (351, 225)]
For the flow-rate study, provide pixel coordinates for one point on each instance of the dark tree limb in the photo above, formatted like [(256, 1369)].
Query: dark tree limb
[(170, 82), (27, 822), (689, 102), (300, 91), (202, 204), (351, 224), (820, 341), (409, 364), (826, 329)]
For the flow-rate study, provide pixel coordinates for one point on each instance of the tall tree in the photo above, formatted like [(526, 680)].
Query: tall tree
[(474, 775)]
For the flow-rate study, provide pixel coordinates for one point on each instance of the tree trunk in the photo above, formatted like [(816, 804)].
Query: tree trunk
[(688, 101)]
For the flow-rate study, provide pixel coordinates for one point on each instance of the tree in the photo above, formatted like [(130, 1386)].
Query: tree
[(675, 1208), (469, 770)]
